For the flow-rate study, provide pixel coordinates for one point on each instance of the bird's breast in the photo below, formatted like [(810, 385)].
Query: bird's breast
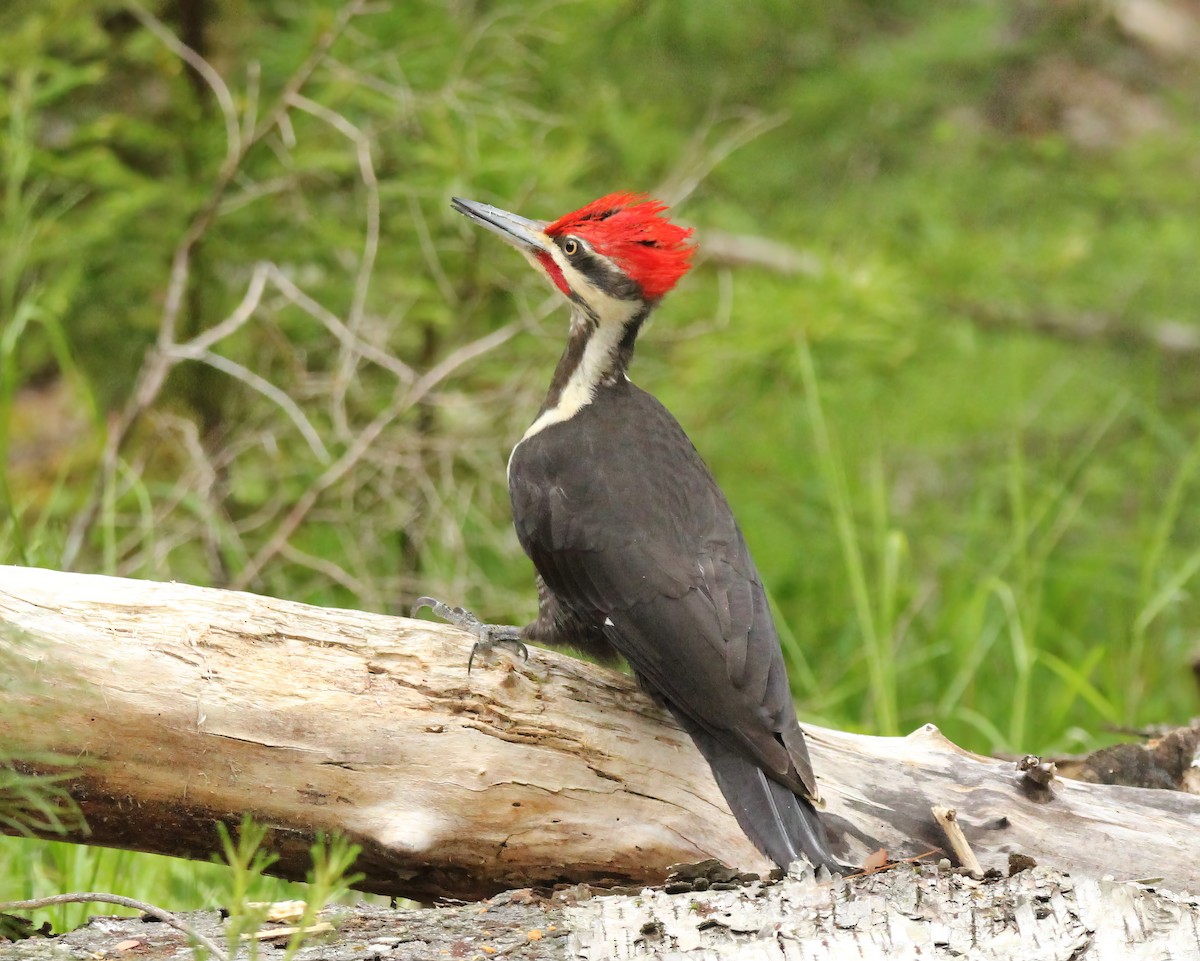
[(620, 470)]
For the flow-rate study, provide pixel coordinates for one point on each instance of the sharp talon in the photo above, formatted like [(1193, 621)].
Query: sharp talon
[(423, 602), (487, 644), (517, 646)]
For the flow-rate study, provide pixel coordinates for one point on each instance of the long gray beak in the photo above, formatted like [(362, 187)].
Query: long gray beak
[(528, 235)]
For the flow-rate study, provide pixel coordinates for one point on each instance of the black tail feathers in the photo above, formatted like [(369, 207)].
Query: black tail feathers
[(783, 825)]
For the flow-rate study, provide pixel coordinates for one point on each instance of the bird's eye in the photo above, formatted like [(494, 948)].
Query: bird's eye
[(570, 246)]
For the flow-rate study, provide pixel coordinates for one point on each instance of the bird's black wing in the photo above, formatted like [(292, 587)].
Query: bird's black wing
[(664, 567)]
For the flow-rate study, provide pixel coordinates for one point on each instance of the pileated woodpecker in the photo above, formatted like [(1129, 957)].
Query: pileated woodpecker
[(634, 544)]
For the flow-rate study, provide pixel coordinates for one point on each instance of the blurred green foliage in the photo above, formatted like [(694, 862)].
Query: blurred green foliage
[(962, 438)]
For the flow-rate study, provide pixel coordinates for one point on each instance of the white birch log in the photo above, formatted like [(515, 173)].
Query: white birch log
[(183, 706), (897, 915)]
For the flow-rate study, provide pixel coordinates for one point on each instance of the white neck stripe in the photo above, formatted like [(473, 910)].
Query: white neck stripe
[(611, 317), (596, 363)]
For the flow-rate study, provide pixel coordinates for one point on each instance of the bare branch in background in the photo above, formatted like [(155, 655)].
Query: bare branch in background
[(233, 130), (348, 358), (369, 455), (1170, 338), (159, 361), (744, 250), (700, 159), (348, 338), (272, 393), (432, 261), (358, 449)]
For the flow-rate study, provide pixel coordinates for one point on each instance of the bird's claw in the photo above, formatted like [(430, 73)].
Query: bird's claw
[(489, 635), (486, 644)]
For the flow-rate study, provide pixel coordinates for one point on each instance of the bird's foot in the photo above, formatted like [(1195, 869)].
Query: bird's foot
[(489, 635)]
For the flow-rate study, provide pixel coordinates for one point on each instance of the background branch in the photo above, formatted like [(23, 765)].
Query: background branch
[(159, 359)]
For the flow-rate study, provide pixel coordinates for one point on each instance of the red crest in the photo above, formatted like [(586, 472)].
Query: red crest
[(630, 229)]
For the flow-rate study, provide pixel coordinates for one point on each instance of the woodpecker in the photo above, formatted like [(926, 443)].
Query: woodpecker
[(635, 547)]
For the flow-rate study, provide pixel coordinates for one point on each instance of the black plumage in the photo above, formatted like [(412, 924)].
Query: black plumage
[(630, 533), (635, 546)]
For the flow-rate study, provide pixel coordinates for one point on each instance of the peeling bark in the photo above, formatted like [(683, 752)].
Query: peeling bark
[(899, 915)]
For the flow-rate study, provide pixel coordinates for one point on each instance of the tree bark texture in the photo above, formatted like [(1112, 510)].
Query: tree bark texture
[(182, 706), (1038, 915), (897, 915)]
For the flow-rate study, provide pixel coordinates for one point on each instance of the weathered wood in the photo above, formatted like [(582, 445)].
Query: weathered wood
[(187, 705), (899, 915)]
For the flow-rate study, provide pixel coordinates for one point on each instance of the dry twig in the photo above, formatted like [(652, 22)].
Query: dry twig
[(947, 819), (160, 359), (98, 897)]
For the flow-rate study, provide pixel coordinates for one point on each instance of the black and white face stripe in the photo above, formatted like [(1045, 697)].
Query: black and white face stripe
[(608, 310), (608, 307), (600, 273)]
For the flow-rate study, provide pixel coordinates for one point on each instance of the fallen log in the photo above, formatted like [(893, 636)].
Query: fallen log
[(185, 706)]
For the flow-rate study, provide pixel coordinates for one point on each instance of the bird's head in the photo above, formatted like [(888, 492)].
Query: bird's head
[(614, 257)]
